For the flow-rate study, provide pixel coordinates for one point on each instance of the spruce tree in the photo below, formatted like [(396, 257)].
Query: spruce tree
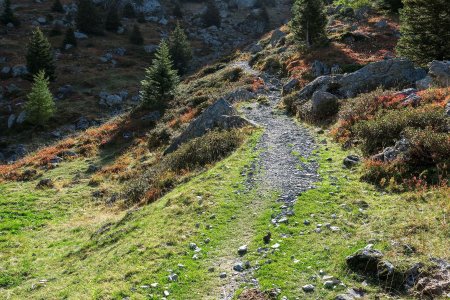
[(425, 30), (211, 17), (88, 19), (128, 11), (40, 55), (112, 21), (57, 7), (180, 49), (69, 38), (308, 22), (8, 15), (136, 36), (160, 81), (40, 106)]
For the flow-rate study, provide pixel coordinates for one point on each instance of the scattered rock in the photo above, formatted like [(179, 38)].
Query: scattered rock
[(290, 86), (351, 161), (309, 288), (440, 72), (242, 250), (267, 238), (276, 37), (19, 71), (324, 104)]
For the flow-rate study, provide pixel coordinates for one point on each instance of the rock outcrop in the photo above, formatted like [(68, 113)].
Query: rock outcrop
[(388, 74), (219, 115)]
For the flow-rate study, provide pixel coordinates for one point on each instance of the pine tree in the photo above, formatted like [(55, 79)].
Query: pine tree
[(211, 17), (8, 15), (136, 36), (57, 7), (128, 11), (160, 81), (112, 22), (69, 38), (88, 19), (425, 30), (308, 22), (40, 55), (180, 49), (40, 106)]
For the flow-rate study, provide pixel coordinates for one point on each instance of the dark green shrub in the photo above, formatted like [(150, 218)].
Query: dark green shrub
[(158, 137), (136, 36), (88, 18), (57, 7), (8, 15), (211, 17), (233, 74), (128, 11), (112, 22), (385, 129), (428, 147), (69, 38)]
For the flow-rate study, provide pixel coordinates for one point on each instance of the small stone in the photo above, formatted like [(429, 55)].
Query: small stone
[(223, 275), (238, 267), (242, 250), (309, 288), (275, 246), (173, 277), (329, 284), (306, 222), (154, 285), (166, 293), (267, 238), (192, 246)]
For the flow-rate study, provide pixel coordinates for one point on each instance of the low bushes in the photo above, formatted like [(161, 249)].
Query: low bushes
[(379, 119), (176, 167), (385, 128)]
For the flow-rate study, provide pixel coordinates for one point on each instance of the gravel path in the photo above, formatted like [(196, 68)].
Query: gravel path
[(286, 147), (283, 164)]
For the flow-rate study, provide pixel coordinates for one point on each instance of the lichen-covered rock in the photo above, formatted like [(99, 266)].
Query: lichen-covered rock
[(388, 74), (440, 73)]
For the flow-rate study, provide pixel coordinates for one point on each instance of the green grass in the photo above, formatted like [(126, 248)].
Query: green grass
[(61, 244), (389, 222), (88, 251)]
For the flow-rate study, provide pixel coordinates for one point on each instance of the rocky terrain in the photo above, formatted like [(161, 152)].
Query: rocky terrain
[(274, 171)]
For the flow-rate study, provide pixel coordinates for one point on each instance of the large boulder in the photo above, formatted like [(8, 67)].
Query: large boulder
[(324, 104), (219, 115), (440, 73), (387, 74)]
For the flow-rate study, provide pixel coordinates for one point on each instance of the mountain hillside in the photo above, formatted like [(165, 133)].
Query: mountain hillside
[(224, 150)]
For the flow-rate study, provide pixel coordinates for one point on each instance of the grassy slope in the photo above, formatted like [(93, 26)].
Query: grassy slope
[(83, 250), (86, 251), (389, 222)]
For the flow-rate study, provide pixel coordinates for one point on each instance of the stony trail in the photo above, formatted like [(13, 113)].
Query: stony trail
[(283, 164)]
